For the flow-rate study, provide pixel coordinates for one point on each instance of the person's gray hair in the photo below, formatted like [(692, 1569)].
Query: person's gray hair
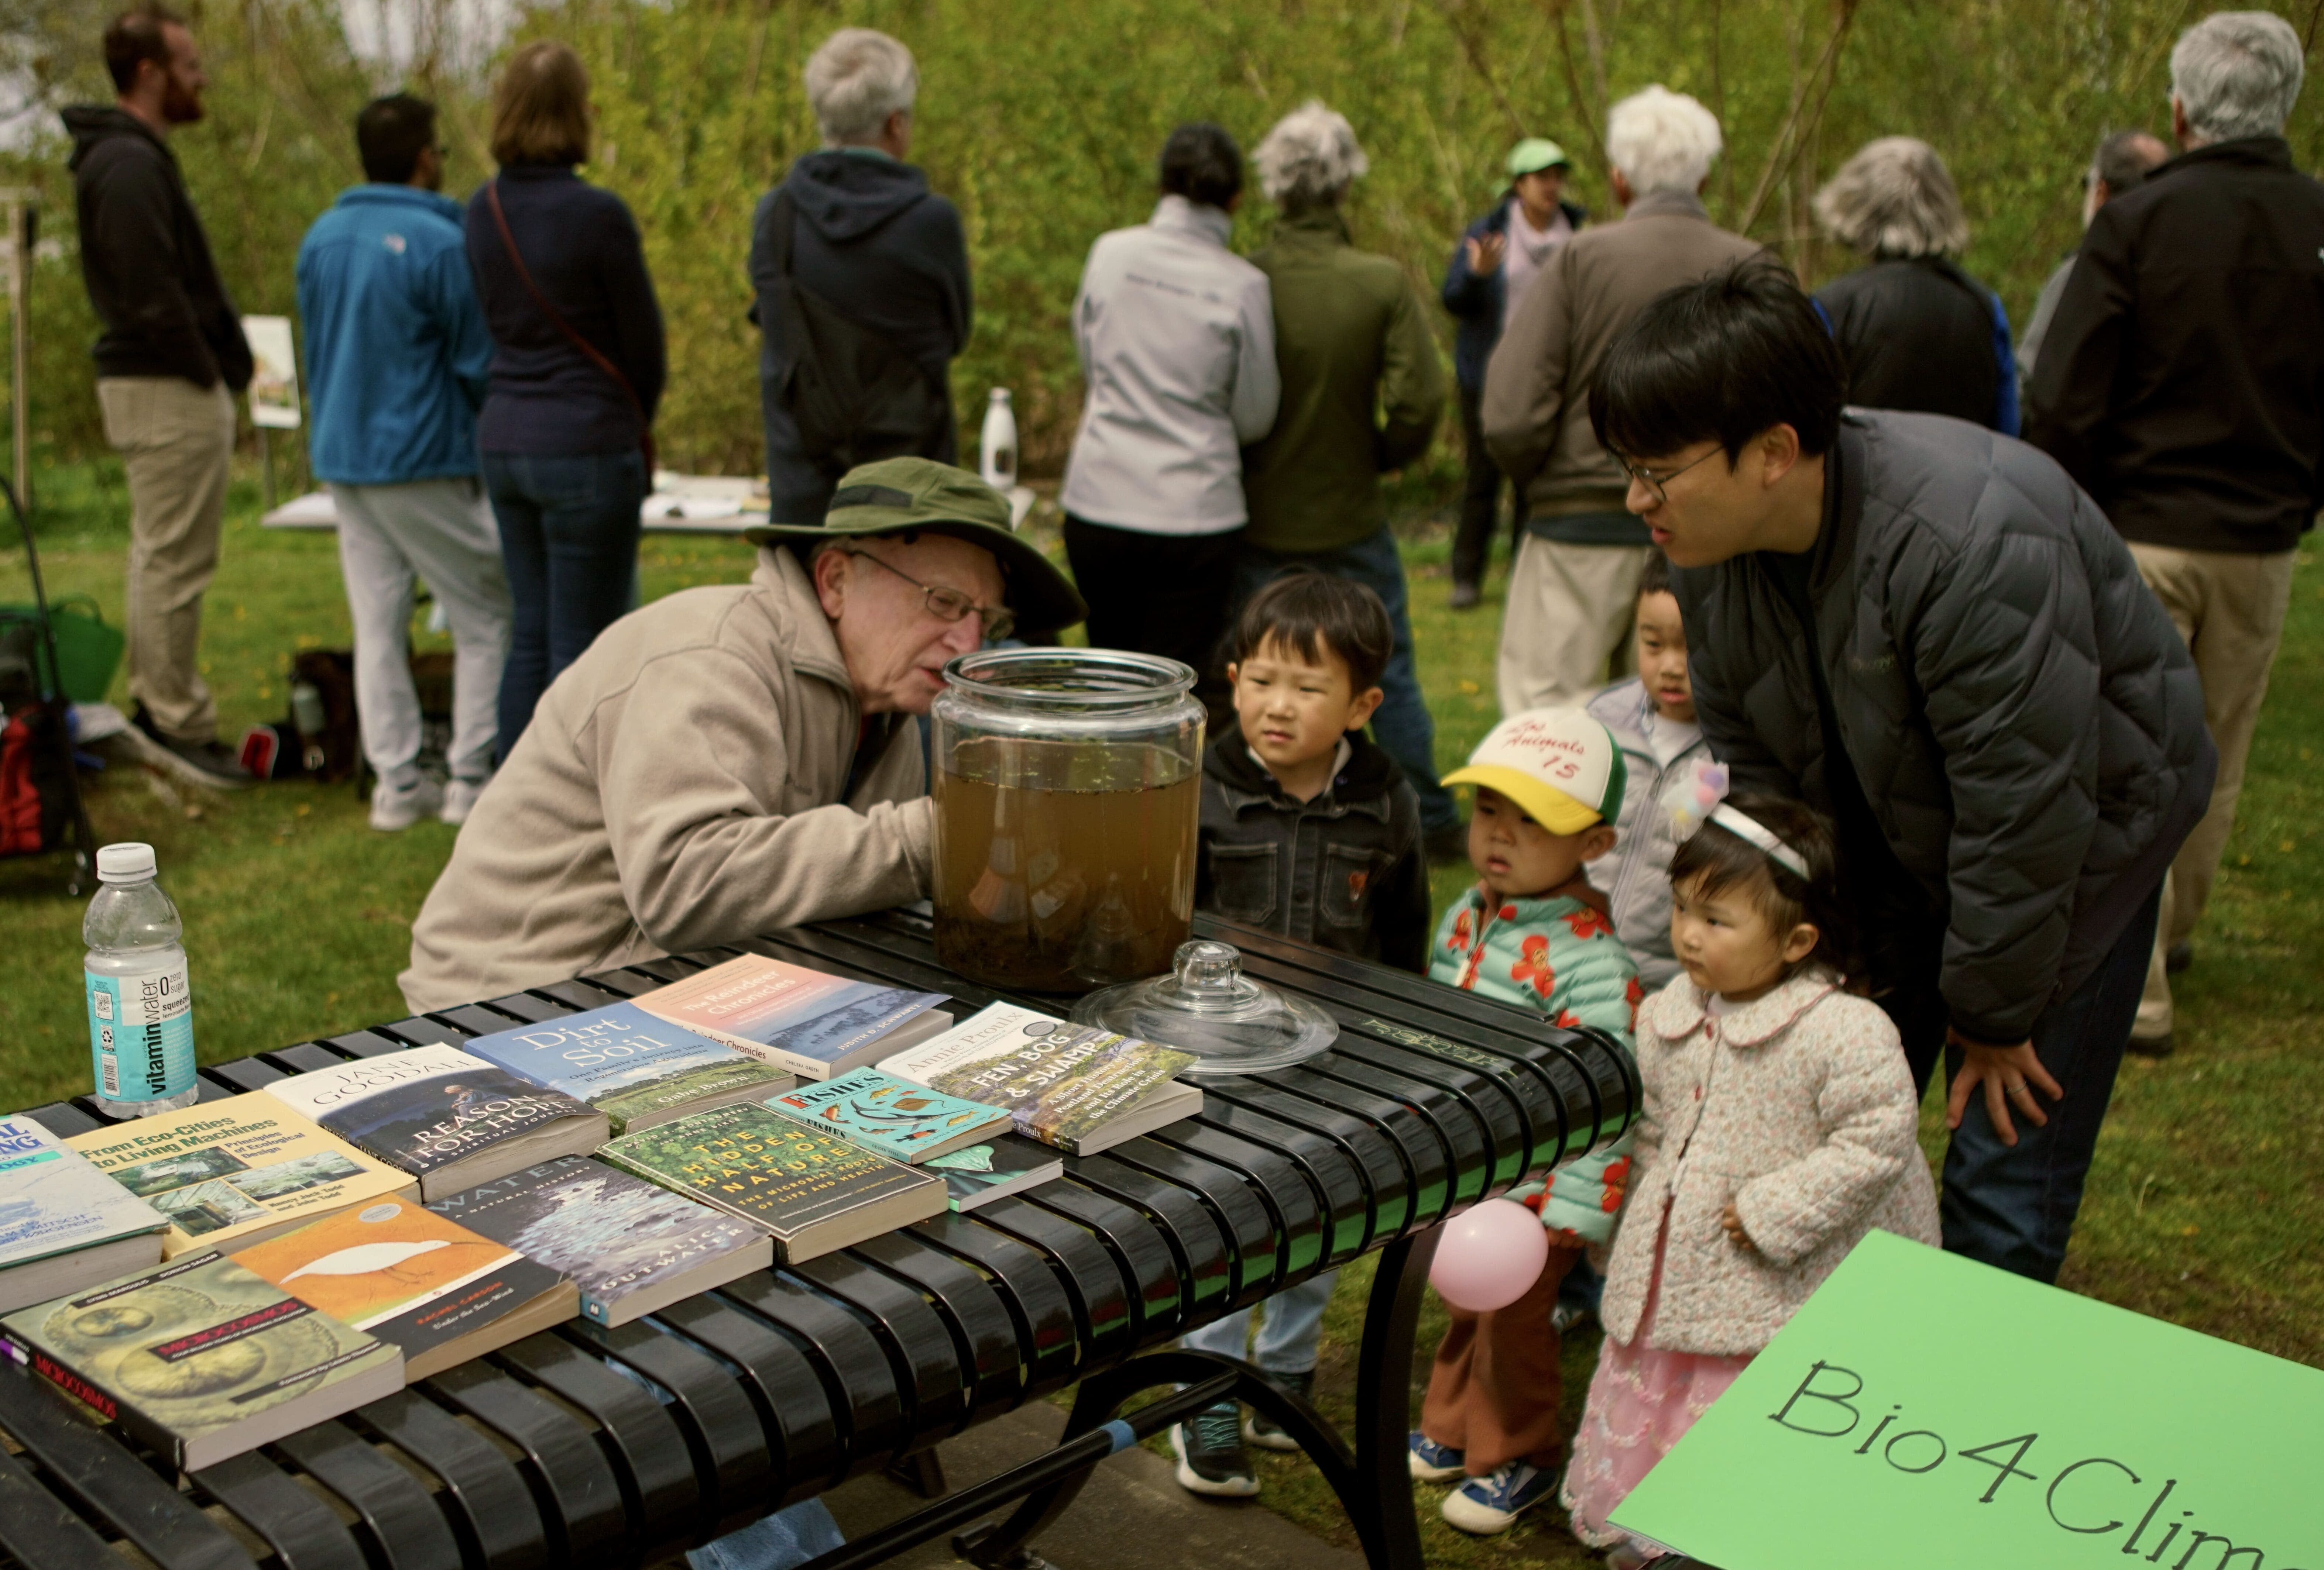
[(856, 81), (1662, 140), (2236, 73), (1310, 159), (1894, 198)]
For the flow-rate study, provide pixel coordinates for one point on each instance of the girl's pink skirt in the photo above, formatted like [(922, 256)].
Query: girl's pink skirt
[(1641, 1400)]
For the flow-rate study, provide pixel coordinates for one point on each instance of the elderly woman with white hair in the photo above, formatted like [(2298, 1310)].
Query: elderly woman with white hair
[(854, 243), (1915, 330), (1573, 591), (1351, 338)]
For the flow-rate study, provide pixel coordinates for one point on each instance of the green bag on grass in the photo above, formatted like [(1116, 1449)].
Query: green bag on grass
[(89, 651)]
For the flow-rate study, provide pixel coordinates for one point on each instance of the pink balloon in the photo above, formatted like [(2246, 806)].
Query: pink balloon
[(1489, 1257)]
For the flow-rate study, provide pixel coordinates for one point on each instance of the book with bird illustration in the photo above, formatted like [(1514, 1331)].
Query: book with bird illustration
[(895, 1117)]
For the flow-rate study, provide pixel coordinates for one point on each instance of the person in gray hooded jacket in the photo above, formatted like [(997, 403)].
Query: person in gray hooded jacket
[(1926, 630)]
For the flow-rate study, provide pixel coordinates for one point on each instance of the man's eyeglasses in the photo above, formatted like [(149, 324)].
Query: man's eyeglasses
[(1655, 482), (950, 604)]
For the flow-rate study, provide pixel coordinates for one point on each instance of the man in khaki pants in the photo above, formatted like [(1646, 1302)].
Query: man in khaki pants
[(168, 364), (2182, 384)]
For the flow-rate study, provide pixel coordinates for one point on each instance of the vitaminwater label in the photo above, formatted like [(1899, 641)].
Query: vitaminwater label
[(140, 1035)]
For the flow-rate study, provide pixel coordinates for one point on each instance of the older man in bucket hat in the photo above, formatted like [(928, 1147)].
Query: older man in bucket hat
[(729, 760)]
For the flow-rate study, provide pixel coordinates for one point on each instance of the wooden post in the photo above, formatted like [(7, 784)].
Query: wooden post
[(21, 208)]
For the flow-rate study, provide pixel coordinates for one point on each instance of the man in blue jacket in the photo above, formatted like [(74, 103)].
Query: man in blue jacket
[(396, 357), (1491, 267)]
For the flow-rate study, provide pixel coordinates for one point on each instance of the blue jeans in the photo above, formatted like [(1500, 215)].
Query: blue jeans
[(2014, 1207), (1402, 725), (569, 542), (776, 1542), (1287, 1339)]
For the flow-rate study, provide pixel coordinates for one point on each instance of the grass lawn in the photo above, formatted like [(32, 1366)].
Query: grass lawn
[(2203, 1208)]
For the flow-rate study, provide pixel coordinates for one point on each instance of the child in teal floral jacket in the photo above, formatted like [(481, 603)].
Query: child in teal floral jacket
[(1535, 933)]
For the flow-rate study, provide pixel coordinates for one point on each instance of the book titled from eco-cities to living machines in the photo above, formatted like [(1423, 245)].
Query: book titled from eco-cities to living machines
[(636, 1069)]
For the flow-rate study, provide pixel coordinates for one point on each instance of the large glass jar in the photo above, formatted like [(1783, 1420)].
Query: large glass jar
[(1068, 784)]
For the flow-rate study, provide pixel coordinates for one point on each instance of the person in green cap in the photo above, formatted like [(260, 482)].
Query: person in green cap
[(729, 760), (1489, 270)]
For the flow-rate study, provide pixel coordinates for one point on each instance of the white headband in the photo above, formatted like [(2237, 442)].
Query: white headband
[(1753, 831)]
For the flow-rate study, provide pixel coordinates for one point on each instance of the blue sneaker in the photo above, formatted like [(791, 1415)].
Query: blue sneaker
[(1486, 1505), (1432, 1462)]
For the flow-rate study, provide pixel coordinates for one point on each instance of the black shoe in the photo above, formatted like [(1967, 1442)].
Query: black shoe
[(1261, 1431), (1449, 843), (2178, 957), (1466, 596), (208, 764), (2161, 1046), (1211, 1457)]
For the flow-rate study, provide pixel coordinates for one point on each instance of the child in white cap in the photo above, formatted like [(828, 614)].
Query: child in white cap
[(1535, 933)]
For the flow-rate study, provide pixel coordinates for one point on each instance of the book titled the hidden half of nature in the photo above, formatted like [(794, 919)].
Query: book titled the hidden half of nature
[(447, 1117), (64, 1225), (1070, 1086), (632, 1247), (234, 1172), (802, 1021), (637, 1069), (815, 1191), (201, 1359), (895, 1117), (410, 1276)]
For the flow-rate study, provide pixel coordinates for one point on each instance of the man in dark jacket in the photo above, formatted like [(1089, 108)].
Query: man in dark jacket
[(168, 365), (2182, 385), (868, 240), (1927, 632), (1496, 259)]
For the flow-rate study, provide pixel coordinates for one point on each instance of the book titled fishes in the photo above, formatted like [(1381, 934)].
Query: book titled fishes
[(447, 1117), (814, 1024), (899, 1119), (637, 1069), (1066, 1085), (63, 1223)]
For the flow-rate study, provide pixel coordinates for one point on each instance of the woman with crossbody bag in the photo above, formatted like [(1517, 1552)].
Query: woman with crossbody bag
[(578, 365)]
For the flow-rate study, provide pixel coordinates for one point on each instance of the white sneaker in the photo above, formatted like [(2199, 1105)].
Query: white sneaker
[(392, 811), (460, 797)]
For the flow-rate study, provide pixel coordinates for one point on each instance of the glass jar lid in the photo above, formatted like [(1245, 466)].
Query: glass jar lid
[(1207, 1006), (1067, 679)]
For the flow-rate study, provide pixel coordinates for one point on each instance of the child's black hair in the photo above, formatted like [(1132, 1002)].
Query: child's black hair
[(1312, 614), (1717, 860), (1653, 578)]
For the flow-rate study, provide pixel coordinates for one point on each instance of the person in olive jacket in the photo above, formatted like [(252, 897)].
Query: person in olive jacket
[(1362, 393)]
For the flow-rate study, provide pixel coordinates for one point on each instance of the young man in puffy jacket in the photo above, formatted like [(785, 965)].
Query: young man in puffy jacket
[(1927, 632)]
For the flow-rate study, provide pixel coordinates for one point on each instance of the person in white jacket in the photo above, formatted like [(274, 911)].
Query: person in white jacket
[(1176, 337)]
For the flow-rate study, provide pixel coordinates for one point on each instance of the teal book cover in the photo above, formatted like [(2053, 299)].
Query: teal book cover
[(895, 1117)]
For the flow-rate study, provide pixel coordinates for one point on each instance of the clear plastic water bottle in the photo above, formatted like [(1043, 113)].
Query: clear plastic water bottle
[(998, 459), (140, 1022)]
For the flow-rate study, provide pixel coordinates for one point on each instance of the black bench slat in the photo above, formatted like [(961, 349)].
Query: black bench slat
[(423, 1033), (475, 1019), (927, 1361), (857, 1374), (107, 1483), (303, 1058), (985, 1337), (483, 1498), (1290, 1196), (37, 1531), (364, 1044), (1347, 1211), (64, 1120), (794, 1408), (1388, 1121), (1382, 1167), (304, 1532), (1203, 1252), (1249, 1227), (641, 1443), (245, 1073), (840, 948), (579, 995), (528, 1008), (1027, 1285), (1145, 1261), (398, 1521), (721, 1427), (572, 1482), (617, 984), (1499, 1112), (1463, 1142), (1093, 1281)]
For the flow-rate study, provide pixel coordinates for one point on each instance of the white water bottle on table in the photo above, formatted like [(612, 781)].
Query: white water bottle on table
[(140, 1022), (998, 458)]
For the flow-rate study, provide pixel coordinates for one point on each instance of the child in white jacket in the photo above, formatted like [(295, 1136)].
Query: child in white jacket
[(1778, 1127)]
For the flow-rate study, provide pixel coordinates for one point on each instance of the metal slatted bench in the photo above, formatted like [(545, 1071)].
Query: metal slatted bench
[(585, 1447)]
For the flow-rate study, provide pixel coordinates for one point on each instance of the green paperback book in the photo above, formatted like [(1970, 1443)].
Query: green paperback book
[(891, 1116), (815, 1191)]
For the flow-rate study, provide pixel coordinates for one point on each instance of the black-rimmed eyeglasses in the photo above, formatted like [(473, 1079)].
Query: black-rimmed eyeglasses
[(950, 604)]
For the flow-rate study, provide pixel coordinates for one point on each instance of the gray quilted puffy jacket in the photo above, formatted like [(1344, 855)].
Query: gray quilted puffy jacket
[(2024, 720)]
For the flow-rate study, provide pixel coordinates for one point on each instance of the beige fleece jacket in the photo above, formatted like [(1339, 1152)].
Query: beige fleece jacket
[(680, 786)]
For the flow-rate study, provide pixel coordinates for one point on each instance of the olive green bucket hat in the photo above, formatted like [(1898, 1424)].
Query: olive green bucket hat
[(922, 496)]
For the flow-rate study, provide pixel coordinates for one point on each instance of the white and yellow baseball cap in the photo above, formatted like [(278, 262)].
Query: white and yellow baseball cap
[(1559, 765)]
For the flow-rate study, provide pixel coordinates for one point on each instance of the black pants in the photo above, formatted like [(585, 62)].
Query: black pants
[(1480, 499), (1158, 593)]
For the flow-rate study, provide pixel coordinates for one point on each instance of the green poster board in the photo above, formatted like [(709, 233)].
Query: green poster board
[(1922, 1413)]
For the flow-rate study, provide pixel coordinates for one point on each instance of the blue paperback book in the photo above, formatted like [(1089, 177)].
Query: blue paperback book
[(637, 1069), (895, 1117)]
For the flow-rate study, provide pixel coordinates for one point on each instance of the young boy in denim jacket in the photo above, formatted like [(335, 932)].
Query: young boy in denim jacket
[(1534, 931), (1310, 831)]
